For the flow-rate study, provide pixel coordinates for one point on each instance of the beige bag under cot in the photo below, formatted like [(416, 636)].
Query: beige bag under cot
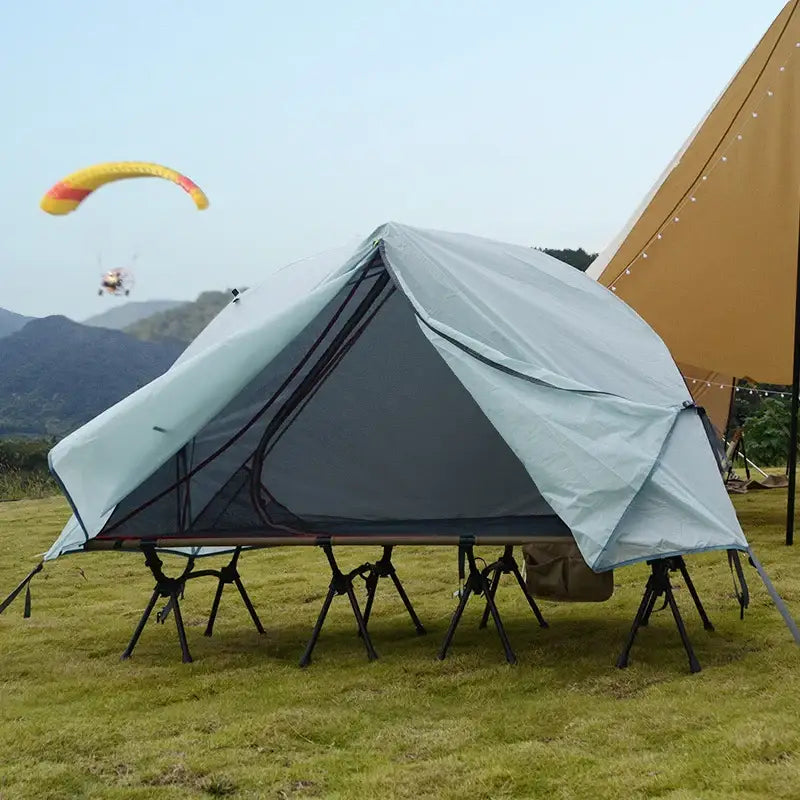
[(555, 570)]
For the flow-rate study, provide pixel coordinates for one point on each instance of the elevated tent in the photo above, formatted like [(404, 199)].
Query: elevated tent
[(428, 387)]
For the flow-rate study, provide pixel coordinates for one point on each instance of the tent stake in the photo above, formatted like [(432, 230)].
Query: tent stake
[(795, 403)]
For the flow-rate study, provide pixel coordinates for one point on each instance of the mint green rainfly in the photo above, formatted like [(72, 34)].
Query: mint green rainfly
[(577, 395)]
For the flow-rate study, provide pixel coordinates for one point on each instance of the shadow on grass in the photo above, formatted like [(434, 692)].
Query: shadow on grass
[(588, 644)]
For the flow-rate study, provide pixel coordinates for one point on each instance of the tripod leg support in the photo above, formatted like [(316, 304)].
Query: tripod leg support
[(658, 585), (341, 584), (477, 582)]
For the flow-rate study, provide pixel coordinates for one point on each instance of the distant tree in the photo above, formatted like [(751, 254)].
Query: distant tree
[(579, 258), (767, 432), (183, 323)]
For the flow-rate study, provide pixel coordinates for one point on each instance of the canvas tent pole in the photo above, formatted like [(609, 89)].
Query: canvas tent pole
[(795, 403)]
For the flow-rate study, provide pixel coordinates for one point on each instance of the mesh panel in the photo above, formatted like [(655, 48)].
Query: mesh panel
[(226, 443), (393, 435), (380, 438)]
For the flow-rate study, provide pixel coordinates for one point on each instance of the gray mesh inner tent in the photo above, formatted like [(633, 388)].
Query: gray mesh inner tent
[(359, 426)]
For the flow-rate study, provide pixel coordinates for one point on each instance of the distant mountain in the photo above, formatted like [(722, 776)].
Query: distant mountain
[(181, 324), (56, 374), (11, 322), (120, 317)]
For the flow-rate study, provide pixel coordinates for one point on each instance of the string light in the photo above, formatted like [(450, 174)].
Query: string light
[(749, 390), (692, 196)]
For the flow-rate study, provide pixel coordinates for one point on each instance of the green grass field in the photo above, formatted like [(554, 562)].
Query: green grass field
[(243, 721)]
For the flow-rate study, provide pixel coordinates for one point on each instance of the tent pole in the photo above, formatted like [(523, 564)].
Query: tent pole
[(776, 598), (795, 403)]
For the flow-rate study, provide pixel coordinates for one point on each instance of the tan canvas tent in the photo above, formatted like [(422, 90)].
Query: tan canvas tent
[(716, 239)]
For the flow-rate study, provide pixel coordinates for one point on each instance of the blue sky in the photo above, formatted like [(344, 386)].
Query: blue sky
[(310, 123)]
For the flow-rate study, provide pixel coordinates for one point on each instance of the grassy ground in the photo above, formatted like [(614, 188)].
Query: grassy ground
[(21, 485), (243, 721)]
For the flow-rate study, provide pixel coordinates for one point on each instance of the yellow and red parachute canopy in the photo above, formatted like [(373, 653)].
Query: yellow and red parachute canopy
[(70, 192)]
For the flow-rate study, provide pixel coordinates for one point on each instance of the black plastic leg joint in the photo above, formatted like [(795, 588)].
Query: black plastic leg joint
[(228, 574)]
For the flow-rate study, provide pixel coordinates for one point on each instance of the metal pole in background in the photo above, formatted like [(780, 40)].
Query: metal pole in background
[(795, 404)]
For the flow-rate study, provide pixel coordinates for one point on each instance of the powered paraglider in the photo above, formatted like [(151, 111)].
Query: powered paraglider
[(66, 195)]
